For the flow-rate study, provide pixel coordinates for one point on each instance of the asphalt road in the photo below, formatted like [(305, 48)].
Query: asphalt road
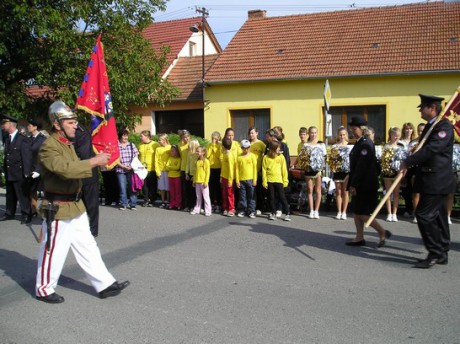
[(197, 279)]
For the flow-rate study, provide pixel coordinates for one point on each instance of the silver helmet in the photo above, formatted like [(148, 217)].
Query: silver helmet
[(58, 111)]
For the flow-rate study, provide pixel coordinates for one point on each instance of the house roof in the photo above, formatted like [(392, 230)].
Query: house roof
[(186, 75), (175, 34), (416, 38)]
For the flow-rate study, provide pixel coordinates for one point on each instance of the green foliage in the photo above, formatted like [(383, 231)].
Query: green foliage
[(174, 139), (49, 43)]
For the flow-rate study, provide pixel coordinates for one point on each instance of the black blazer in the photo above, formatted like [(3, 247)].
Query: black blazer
[(84, 149), (35, 144), (433, 162), (363, 166), (18, 158)]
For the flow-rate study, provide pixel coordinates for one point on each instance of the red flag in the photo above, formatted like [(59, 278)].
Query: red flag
[(94, 98), (452, 113)]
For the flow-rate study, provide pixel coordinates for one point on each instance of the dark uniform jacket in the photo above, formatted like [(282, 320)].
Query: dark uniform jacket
[(363, 166), (84, 149), (433, 162), (62, 171), (18, 158), (35, 144)]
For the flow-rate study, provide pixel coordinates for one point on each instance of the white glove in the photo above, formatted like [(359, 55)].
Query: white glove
[(35, 175)]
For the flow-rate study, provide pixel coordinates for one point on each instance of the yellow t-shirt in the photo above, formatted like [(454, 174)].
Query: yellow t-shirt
[(162, 155), (183, 155), (191, 164), (227, 165), (173, 167), (213, 151), (274, 170), (202, 172), (258, 149), (246, 168), (147, 154)]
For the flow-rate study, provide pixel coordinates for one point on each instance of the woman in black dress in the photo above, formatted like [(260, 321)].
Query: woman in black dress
[(363, 183)]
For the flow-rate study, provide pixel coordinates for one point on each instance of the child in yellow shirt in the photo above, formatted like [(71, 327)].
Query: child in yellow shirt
[(201, 182), (226, 178), (162, 154), (173, 167), (275, 179), (246, 180)]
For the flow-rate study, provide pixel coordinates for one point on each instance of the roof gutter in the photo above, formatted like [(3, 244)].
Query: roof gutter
[(245, 81)]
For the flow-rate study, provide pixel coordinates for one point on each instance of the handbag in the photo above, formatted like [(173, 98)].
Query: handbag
[(136, 182)]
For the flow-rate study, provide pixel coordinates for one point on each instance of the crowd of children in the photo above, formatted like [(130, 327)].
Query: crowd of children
[(248, 177)]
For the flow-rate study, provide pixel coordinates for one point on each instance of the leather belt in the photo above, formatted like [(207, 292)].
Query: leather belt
[(55, 197)]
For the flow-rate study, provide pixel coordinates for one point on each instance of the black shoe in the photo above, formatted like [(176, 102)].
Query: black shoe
[(356, 243), (426, 263), (114, 289), (53, 298), (27, 219), (6, 218), (444, 260), (383, 241)]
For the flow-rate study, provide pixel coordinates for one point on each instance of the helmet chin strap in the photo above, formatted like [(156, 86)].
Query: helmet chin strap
[(62, 130)]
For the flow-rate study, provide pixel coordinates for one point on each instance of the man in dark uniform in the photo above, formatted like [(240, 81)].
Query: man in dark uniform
[(90, 190), (433, 180), (17, 166), (36, 141)]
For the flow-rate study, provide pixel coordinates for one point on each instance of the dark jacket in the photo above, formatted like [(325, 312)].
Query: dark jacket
[(433, 162), (18, 158), (84, 149), (35, 144), (363, 166)]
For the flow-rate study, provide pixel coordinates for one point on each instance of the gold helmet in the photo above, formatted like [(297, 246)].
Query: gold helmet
[(59, 111)]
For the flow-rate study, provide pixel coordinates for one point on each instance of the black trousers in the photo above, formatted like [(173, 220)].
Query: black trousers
[(150, 187), (110, 181), (276, 192), (90, 197), (431, 214), (215, 192), (18, 191)]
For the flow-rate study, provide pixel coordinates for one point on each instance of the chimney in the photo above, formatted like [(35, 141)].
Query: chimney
[(254, 14)]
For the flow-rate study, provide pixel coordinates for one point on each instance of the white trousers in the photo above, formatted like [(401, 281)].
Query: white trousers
[(75, 234)]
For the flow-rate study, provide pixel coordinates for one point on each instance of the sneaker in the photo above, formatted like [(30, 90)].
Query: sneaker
[(207, 214), (225, 213), (312, 214), (252, 216), (133, 208), (339, 216), (414, 220), (202, 211), (193, 212), (316, 215), (395, 218), (258, 212), (123, 208), (272, 217), (407, 215), (344, 216), (449, 221), (278, 213), (287, 217), (187, 209), (230, 214), (163, 205), (389, 218), (145, 204), (240, 214)]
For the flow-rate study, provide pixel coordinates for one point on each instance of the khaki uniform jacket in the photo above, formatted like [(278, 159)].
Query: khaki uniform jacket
[(62, 171)]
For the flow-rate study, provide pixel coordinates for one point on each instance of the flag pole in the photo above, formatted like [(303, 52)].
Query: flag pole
[(400, 175)]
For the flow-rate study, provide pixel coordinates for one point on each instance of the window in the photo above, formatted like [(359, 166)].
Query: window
[(171, 121), (243, 119), (374, 114), (191, 49)]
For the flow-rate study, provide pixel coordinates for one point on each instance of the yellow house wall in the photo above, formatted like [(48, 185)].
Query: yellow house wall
[(294, 104)]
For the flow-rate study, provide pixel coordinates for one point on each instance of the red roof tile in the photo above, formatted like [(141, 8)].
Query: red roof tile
[(413, 38), (186, 75), (173, 33)]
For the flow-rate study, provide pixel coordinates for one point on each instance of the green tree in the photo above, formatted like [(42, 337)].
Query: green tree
[(48, 43)]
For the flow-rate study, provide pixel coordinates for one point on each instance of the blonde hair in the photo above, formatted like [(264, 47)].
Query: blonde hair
[(342, 128), (217, 135), (146, 133), (393, 130), (163, 137), (193, 145)]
